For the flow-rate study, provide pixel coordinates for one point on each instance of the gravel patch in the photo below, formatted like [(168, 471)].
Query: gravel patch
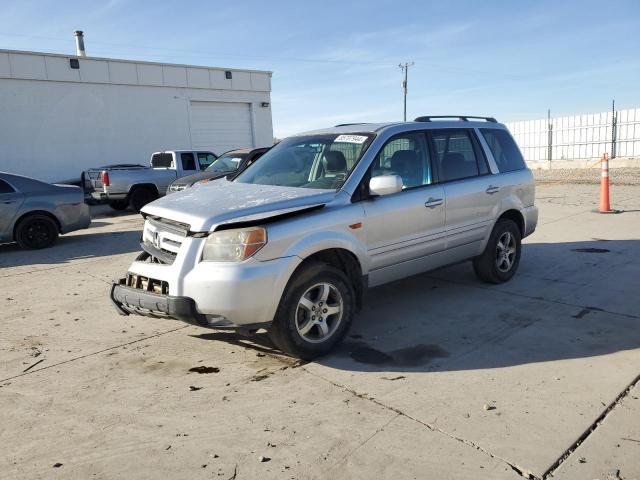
[(589, 176)]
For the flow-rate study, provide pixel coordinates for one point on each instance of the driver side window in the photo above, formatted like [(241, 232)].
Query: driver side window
[(407, 156)]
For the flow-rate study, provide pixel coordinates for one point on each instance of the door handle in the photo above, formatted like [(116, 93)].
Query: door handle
[(491, 190), (9, 202), (433, 202)]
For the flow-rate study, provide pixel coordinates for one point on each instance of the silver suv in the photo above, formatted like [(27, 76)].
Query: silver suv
[(293, 242)]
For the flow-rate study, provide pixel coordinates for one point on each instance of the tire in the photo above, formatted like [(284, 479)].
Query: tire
[(295, 328), (36, 231), (498, 264), (140, 197), (119, 204)]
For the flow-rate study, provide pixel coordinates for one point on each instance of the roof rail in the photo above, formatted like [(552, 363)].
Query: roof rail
[(350, 124), (464, 118)]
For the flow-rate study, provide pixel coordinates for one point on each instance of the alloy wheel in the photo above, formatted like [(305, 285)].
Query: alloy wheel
[(319, 312)]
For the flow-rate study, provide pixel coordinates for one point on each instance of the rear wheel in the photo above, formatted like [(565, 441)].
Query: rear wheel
[(501, 257), (315, 312), (119, 204), (36, 231), (140, 197)]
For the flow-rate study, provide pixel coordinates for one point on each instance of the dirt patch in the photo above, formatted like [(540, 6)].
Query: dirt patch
[(202, 369)]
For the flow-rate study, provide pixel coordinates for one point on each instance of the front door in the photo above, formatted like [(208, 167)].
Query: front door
[(405, 228)]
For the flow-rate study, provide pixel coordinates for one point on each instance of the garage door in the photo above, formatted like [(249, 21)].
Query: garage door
[(220, 126)]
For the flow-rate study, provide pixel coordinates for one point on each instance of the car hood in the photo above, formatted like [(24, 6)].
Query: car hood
[(209, 204), (196, 177)]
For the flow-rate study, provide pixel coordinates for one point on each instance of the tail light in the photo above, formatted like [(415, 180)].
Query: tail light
[(104, 178)]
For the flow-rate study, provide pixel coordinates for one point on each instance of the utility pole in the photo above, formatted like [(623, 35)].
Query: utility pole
[(405, 69)]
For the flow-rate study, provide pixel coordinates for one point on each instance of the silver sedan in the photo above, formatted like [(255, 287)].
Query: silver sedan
[(34, 213)]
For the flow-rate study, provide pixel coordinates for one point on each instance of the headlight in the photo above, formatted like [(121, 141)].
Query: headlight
[(234, 245)]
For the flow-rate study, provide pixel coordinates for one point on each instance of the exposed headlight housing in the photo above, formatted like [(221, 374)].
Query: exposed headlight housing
[(234, 245)]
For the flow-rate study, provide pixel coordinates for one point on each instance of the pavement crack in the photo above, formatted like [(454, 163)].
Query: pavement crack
[(592, 428), (523, 472), (29, 371), (360, 445)]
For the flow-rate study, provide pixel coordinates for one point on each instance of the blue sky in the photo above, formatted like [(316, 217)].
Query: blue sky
[(337, 61)]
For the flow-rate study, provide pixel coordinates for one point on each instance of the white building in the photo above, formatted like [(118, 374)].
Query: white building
[(62, 114)]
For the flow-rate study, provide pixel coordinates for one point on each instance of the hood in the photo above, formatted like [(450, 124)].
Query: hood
[(206, 205), (196, 177)]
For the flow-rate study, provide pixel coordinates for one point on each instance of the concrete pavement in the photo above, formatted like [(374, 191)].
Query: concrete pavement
[(442, 376)]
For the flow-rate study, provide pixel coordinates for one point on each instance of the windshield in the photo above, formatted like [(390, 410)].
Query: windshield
[(227, 162), (312, 161)]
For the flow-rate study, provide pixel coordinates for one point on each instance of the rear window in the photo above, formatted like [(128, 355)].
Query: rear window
[(160, 160), (188, 162), (504, 149), (5, 187)]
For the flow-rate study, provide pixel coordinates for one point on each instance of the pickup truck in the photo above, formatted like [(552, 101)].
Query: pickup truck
[(121, 186)]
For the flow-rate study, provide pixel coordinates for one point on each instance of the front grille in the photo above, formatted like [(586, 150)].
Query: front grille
[(148, 284), (163, 238)]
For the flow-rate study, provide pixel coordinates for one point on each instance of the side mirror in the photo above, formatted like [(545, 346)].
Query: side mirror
[(385, 185)]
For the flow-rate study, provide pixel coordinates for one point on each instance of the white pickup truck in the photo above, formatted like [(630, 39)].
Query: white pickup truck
[(122, 186)]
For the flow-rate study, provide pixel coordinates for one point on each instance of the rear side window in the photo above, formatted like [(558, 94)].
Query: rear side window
[(5, 187), (456, 154), (188, 162), (504, 149), (160, 160), (205, 159)]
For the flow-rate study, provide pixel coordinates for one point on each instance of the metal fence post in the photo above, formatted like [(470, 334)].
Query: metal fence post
[(549, 137), (614, 125)]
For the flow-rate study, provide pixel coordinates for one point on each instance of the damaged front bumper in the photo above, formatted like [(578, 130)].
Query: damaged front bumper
[(129, 300)]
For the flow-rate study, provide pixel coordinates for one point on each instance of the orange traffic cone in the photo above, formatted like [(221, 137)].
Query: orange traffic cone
[(605, 206)]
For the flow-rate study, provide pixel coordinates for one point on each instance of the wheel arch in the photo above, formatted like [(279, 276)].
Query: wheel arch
[(148, 186), (516, 216), (36, 212), (344, 260)]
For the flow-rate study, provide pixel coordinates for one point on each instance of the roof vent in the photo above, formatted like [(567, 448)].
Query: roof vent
[(80, 43)]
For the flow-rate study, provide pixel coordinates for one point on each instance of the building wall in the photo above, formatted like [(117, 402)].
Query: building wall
[(56, 122)]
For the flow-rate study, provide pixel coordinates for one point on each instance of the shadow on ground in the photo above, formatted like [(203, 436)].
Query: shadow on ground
[(568, 300), (72, 247)]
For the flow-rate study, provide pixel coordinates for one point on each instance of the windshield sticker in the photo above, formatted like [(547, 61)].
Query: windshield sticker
[(351, 139)]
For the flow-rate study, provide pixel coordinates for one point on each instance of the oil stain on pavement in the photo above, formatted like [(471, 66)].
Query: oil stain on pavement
[(415, 356)]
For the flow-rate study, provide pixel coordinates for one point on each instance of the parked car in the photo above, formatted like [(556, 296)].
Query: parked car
[(34, 213), (226, 164), (293, 242), (123, 186)]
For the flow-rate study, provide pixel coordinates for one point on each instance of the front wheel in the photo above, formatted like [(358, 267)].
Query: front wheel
[(315, 312), (501, 257)]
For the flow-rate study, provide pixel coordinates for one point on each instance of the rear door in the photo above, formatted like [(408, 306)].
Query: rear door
[(405, 228), (467, 182), (10, 202)]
